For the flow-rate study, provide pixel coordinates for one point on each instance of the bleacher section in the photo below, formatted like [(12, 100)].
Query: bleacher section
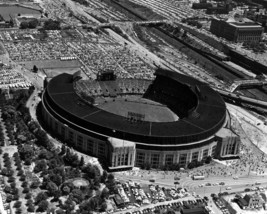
[(112, 88), (163, 90), (133, 86), (173, 94)]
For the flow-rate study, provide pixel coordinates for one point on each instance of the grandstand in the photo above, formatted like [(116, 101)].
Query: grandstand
[(172, 94)]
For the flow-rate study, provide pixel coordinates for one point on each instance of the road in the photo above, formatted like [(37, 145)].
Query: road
[(32, 103), (236, 185)]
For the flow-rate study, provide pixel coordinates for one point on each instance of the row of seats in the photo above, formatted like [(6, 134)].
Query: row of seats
[(177, 96), (113, 88)]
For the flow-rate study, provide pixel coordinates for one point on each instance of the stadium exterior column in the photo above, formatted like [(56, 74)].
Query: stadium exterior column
[(116, 159), (190, 157), (176, 159), (236, 147), (163, 158), (200, 155), (227, 147), (113, 159), (210, 150), (129, 156), (222, 149), (147, 157)]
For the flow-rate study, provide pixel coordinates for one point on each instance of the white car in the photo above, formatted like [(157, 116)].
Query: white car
[(228, 188)]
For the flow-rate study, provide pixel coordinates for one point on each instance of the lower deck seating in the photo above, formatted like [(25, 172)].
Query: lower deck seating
[(177, 96)]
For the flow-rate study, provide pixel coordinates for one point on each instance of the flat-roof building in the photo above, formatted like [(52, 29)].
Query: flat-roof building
[(237, 30)]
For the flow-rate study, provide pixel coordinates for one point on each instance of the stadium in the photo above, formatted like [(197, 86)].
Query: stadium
[(132, 122)]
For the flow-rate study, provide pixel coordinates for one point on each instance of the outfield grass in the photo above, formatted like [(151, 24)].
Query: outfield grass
[(153, 112)]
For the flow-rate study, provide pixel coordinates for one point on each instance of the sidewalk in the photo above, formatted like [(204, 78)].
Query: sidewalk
[(2, 210)]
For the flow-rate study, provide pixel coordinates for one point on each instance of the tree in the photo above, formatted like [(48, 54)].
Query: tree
[(71, 159), (29, 201), (40, 197), (81, 162), (28, 162), (16, 197), (26, 152), (42, 206), (89, 171), (77, 195), (40, 166), (65, 190), (22, 178), (63, 150), (33, 23), (28, 196), (26, 190), (11, 179), (111, 177), (51, 25), (35, 184), (56, 178), (111, 184), (18, 211), (208, 160), (104, 177), (60, 211), (51, 188), (191, 165), (13, 185), (103, 207), (43, 138), (88, 205), (9, 198), (31, 208), (17, 204), (34, 69), (53, 163), (69, 205), (105, 193), (146, 166), (24, 25), (8, 189), (24, 184), (57, 194), (21, 172)]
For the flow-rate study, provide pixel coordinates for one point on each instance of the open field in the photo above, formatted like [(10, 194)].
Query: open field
[(51, 64), (153, 112), (52, 72)]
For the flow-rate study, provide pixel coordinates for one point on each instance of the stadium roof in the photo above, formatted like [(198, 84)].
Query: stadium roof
[(61, 97)]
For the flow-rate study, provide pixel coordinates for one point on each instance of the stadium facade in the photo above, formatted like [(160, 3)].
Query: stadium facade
[(92, 116)]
